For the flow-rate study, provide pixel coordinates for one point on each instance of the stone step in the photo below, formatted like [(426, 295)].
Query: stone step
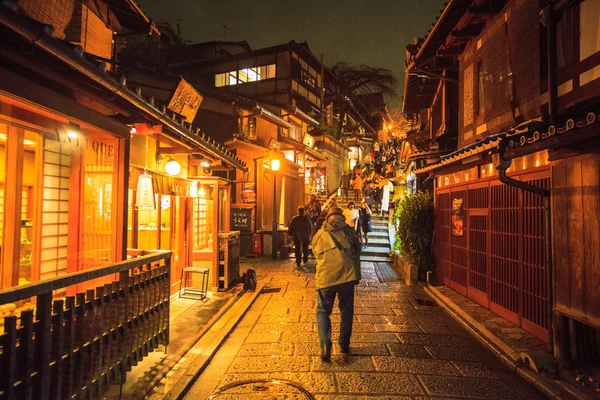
[(376, 251), (377, 241), (375, 258), (379, 234)]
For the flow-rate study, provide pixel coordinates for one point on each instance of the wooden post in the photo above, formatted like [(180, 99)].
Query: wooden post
[(8, 377), (13, 187), (43, 346), (27, 352), (57, 349)]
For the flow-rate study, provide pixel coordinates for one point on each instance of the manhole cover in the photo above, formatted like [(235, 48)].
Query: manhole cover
[(426, 302), (282, 386)]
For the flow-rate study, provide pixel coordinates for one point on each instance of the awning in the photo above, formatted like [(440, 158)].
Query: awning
[(302, 148), (271, 117), (305, 117)]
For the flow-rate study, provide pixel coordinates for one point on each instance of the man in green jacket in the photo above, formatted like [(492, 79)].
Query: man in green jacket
[(337, 249)]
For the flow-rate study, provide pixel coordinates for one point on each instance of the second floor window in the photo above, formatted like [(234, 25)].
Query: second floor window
[(479, 90), (245, 75)]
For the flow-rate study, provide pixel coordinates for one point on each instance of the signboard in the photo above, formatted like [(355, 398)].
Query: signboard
[(252, 128), (274, 145), (249, 192), (185, 101), (457, 217), (241, 219)]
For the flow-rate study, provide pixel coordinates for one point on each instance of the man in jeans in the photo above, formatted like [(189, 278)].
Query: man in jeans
[(300, 229), (337, 249)]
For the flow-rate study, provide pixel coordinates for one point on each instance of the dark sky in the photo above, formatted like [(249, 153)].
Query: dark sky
[(372, 32)]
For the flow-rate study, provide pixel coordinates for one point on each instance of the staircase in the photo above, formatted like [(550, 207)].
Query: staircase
[(379, 240)]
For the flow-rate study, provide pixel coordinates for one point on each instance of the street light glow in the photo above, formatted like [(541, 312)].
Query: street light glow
[(275, 163), (172, 167)]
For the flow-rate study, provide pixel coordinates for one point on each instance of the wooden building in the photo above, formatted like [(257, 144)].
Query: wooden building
[(527, 131), (66, 123)]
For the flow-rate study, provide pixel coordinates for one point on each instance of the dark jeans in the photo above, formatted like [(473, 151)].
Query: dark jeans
[(301, 247), (345, 193), (326, 297)]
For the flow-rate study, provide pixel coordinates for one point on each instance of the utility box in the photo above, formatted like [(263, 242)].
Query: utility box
[(229, 259)]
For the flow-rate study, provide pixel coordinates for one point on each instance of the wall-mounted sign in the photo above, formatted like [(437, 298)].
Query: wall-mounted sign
[(274, 145), (249, 192), (241, 219), (457, 217), (185, 101), (308, 140), (252, 128)]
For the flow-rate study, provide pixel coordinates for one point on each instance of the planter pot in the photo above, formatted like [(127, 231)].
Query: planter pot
[(408, 272)]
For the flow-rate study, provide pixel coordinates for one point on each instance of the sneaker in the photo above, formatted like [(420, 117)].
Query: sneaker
[(303, 265), (344, 348), (326, 352)]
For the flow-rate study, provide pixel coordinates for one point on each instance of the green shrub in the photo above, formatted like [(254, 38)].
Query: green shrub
[(413, 218)]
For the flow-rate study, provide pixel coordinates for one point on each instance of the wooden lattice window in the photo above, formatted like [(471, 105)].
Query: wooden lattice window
[(203, 219)]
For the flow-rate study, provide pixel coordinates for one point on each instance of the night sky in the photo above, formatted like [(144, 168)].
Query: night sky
[(372, 32)]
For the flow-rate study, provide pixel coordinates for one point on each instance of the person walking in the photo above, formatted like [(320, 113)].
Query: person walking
[(344, 184), (364, 223), (313, 208), (357, 184), (351, 215), (337, 250), (300, 229)]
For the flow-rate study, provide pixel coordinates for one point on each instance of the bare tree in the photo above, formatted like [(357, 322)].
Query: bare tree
[(360, 80)]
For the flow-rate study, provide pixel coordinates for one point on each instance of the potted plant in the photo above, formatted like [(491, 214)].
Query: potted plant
[(413, 219)]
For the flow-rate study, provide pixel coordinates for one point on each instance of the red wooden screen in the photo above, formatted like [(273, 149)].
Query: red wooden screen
[(505, 251), (500, 260), (534, 260)]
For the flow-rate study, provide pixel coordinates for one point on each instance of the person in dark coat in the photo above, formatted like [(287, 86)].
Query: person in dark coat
[(300, 229)]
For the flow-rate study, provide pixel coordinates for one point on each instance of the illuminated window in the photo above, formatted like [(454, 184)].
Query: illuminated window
[(203, 219), (245, 75)]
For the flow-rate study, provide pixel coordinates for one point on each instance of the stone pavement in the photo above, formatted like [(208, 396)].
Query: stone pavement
[(404, 347)]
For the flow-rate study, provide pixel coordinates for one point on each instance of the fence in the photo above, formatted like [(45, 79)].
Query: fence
[(74, 348)]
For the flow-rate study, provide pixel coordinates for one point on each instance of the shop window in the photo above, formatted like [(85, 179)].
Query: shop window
[(479, 92), (203, 218), (565, 38)]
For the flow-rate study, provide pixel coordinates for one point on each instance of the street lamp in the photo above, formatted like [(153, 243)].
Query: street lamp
[(274, 167)]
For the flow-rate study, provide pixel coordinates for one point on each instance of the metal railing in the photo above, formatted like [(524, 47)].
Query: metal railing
[(77, 346)]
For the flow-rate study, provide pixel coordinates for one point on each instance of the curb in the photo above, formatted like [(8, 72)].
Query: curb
[(510, 357), (175, 358), (208, 345)]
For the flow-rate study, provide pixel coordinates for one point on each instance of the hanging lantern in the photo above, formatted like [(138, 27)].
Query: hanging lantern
[(145, 192)]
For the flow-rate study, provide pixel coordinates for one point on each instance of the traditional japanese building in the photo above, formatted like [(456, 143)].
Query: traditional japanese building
[(69, 129), (510, 231)]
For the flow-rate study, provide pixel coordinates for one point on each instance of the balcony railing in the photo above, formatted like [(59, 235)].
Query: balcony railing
[(77, 346)]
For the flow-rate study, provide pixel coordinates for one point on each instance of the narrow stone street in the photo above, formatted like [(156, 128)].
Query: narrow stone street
[(403, 347)]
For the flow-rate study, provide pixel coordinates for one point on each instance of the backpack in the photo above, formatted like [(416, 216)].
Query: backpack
[(250, 281)]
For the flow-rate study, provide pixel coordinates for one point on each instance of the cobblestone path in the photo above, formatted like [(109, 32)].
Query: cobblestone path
[(403, 347)]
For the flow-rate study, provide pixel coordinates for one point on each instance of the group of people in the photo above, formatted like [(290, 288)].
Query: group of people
[(337, 239)]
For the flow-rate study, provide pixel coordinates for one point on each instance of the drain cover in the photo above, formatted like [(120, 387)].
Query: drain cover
[(263, 385)]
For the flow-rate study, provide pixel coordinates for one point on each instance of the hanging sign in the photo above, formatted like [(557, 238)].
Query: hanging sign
[(145, 192), (185, 100), (249, 192)]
